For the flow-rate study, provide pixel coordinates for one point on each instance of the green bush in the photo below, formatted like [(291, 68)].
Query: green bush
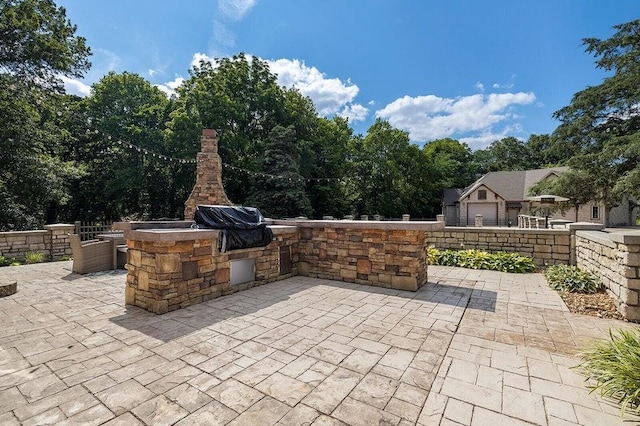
[(479, 259), (571, 279), (8, 261), (615, 367), (32, 257)]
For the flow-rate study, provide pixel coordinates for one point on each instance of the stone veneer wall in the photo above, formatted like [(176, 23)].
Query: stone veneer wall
[(545, 246), (394, 258), (615, 258), (52, 241), (167, 275)]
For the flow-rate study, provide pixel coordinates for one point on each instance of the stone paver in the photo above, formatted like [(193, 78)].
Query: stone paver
[(471, 347)]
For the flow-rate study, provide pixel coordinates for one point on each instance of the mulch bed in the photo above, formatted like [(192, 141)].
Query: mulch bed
[(597, 304)]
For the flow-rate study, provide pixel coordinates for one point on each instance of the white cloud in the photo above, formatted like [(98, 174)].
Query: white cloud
[(75, 87), (431, 117), (170, 87), (330, 95), (372, 103), (152, 72), (236, 9), (479, 86), (223, 35), (486, 138), (354, 112)]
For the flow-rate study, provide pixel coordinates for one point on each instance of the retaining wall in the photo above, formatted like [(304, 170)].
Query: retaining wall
[(615, 258), (545, 246), (52, 241)]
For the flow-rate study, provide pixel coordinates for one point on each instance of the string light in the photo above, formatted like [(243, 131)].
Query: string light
[(137, 148)]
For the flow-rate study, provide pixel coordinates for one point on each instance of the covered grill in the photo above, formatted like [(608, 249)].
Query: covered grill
[(240, 227)]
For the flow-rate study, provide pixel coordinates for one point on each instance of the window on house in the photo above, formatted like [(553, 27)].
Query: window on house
[(595, 212), (482, 194)]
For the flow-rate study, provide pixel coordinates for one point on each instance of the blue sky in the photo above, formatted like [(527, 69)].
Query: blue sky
[(475, 71)]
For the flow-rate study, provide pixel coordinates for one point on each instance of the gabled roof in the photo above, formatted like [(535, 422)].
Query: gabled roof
[(451, 196), (513, 185)]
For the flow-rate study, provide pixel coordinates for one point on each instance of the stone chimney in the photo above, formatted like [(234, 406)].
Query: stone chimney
[(208, 189)]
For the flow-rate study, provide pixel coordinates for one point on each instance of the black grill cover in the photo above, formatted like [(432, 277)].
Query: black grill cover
[(229, 217), (241, 227)]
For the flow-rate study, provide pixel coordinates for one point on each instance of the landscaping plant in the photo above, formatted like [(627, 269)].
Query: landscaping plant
[(571, 279), (8, 261), (615, 367), (479, 259), (32, 257)]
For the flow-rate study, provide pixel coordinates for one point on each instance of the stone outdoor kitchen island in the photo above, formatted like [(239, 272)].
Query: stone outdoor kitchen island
[(171, 266)]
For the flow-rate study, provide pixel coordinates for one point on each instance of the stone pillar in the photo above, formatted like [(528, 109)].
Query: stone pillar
[(479, 220), (439, 218), (58, 240), (208, 189), (405, 218)]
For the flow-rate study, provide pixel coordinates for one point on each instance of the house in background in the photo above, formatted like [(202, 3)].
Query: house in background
[(501, 196)]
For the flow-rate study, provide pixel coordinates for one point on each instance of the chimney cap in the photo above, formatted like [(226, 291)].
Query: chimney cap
[(209, 133)]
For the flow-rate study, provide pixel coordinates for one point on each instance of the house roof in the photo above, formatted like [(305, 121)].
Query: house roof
[(451, 196), (513, 185)]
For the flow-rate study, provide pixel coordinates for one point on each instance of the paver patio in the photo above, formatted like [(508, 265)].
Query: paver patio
[(471, 348)]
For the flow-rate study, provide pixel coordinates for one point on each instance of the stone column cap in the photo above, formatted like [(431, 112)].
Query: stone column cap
[(59, 226)]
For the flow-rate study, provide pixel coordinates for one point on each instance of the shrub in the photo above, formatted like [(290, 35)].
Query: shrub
[(8, 261), (32, 257), (615, 367), (571, 279), (479, 259)]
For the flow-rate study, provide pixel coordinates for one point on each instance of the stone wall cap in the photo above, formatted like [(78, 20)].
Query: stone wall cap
[(152, 224), (173, 234), (591, 226), (501, 230), (18, 233), (189, 234), (364, 224), (627, 238), (59, 226)]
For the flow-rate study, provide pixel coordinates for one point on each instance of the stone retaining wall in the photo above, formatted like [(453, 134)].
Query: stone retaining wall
[(615, 259), (52, 241), (545, 246), (386, 258)]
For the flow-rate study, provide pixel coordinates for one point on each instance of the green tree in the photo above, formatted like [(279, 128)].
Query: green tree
[(37, 44), (240, 98), (280, 189), (450, 165), (125, 181), (388, 173), (603, 123), (325, 164), (505, 154)]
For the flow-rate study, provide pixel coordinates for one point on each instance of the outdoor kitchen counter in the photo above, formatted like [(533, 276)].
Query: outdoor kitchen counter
[(171, 265)]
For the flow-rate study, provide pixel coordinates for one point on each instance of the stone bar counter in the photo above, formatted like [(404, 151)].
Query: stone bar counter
[(380, 253), (171, 266)]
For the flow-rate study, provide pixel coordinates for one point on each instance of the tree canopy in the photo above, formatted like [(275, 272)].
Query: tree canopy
[(602, 123), (37, 44)]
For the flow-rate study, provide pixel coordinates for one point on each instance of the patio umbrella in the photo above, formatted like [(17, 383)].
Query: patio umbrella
[(546, 200)]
